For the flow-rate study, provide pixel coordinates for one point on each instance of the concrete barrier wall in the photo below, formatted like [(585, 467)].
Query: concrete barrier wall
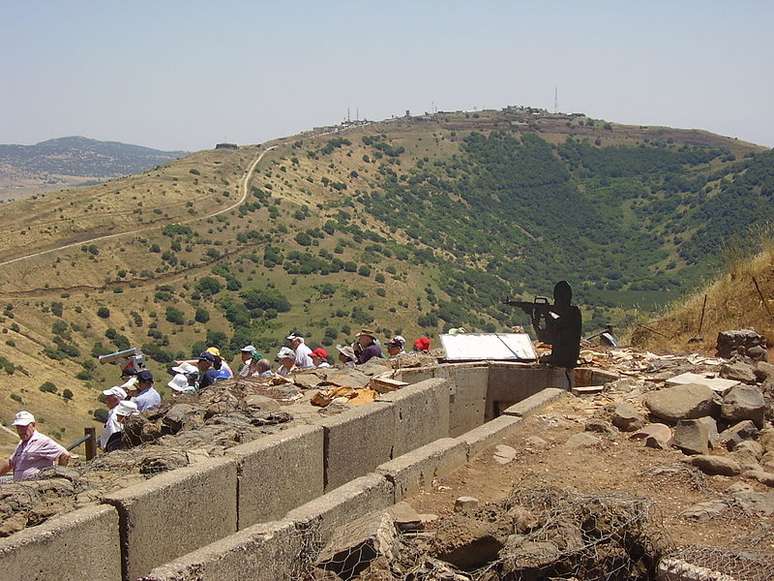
[(277, 473), (467, 396), (357, 441), (510, 383), (175, 513), (421, 413), (83, 544)]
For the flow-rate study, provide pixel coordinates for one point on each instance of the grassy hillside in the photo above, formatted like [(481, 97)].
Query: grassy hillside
[(410, 225), (733, 302)]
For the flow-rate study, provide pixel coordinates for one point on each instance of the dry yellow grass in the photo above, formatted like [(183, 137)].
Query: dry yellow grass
[(733, 302)]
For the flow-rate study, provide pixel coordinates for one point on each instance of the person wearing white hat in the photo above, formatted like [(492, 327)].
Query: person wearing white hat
[(35, 451), (113, 397), (287, 359), (346, 355), (396, 346), (248, 355), (123, 410), (180, 384), (302, 352)]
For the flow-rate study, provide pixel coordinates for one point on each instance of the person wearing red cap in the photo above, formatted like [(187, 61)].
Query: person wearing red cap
[(422, 344), (320, 357)]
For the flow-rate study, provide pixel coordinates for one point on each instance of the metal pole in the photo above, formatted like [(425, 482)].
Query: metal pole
[(91, 442), (701, 320)]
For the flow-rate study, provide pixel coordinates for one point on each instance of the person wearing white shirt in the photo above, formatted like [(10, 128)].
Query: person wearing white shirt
[(248, 355), (113, 397), (303, 352)]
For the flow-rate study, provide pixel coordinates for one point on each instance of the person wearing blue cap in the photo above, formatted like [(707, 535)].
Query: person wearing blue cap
[(207, 372), (147, 398)]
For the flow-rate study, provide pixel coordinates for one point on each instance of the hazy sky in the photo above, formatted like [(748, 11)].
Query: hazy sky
[(189, 74)]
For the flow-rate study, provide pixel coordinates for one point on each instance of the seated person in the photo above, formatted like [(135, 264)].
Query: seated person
[(124, 409), (302, 351), (223, 368), (181, 384), (287, 359), (396, 346), (320, 358), (370, 348), (207, 372), (422, 345), (248, 355), (113, 397), (35, 451), (146, 398), (261, 368), (347, 355)]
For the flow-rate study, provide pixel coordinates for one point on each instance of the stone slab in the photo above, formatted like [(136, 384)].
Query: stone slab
[(716, 384), (468, 387), (357, 441), (535, 402), (263, 552), (277, 473), (83, 544), (421, 414), (415, 471), (489, 434), (323, 515), (175, 513)]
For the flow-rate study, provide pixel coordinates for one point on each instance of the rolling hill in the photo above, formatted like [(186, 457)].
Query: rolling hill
[(66, 161), (410, 225)]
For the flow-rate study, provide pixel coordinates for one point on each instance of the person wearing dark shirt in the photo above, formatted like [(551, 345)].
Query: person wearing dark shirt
[(207, 372), (369, 347)]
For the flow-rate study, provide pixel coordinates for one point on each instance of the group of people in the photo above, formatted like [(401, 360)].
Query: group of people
[(138, 393)]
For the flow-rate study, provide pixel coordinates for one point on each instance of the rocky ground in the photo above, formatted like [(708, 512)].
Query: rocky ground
[(603, 485)]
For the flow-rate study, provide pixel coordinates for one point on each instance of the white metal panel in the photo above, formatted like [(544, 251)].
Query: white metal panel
[(488, 346)]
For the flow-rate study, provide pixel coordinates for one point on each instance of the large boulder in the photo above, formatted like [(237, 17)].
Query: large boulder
[(692, 436), (764, 371), (715, 465), (626, 418), (738, 371), (744, 402), (682, 402)]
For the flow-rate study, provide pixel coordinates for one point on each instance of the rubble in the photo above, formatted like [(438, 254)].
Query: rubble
[(655, 436), (464, 503), (715, 465), (730, 437), (504, 454), (692, 436), (731, 344)]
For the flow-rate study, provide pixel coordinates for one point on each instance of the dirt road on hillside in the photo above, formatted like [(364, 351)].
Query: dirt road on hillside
[(241, 200)]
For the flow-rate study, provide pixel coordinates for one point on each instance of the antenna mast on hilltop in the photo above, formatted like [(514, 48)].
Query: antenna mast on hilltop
[(556, 99), (347, 114)]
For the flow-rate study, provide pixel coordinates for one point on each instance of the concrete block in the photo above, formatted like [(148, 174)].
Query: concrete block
[(535, 402), (277, 473), (509, 383), (467, 396), (588, 376), (175, 513), (263, 552), (421, 414), (415, 374), (342, 505), (357, 441), (83, 544), (489, 434), (416, 470)]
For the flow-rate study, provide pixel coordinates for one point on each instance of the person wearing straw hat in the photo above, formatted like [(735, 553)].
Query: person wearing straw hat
[(35, 451), (346, 355), (124, 410), (113, 397), (396, 346), (370, 348)]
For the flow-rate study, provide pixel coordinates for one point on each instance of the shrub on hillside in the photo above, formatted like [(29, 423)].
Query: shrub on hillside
[(175, 316), (208, 286), (103, 312), (48, 387)]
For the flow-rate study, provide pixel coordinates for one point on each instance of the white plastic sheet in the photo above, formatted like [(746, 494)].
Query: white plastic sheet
[(488, 346)]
